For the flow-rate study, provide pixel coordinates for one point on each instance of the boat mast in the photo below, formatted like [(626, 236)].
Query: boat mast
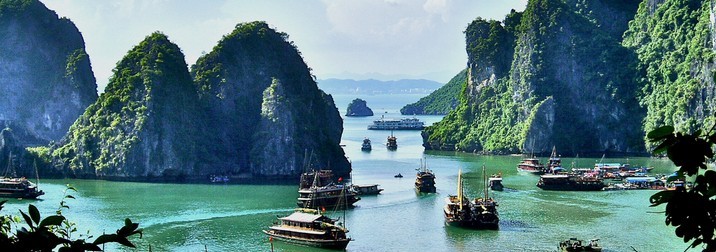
[(459, 187), (37, 174), (484, 180)]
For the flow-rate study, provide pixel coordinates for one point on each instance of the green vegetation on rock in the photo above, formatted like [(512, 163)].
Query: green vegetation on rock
[(45, 74), (675, 45), (553, 75), (441, 101), (261, 99), (144, 124)]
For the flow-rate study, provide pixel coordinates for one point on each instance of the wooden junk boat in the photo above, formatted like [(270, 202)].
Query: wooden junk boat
[(392, 143), (478, 214), (308, 227), (570, 182), (366, 145), (425, 179), (18, 188), (531, 165), (322, 192)]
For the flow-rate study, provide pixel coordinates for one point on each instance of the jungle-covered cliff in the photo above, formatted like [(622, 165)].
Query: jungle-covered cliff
[(145, 124), (46, 80), (675, 43), (250, 108), (553, 75), (441, 101), (265, 109)]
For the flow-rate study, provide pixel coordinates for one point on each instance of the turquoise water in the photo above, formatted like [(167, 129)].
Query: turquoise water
[(230, 217)]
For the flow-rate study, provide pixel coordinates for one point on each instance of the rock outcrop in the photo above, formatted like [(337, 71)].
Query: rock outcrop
[(46, 80), (676, 43), (358, 107), (249, 109), (264, 107), (145, 125), (554, 75)]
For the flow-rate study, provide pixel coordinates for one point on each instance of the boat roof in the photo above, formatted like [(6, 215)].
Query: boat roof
[(554, 176), (640, 179), (608, 164), (301, 230), (302, 217), (493, 179), (366, 185)]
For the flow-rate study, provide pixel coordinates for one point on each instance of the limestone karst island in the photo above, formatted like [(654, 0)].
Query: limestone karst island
[(440, 125)]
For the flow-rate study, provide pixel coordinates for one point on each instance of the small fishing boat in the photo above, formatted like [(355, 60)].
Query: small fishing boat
[(398, 175), (575, 245), (367, 189), (495, 182), (308, 227)]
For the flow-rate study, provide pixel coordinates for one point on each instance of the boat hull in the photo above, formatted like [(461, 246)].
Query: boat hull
[(328, 202), (478, 222), (425, 189), (21, 194), (339, 244), (531, 170), (572, 187)]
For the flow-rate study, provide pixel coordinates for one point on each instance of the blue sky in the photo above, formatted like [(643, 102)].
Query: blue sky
[(381, 39)]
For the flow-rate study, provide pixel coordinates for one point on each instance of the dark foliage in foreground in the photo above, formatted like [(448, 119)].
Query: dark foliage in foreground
[(692, 211), (55, 231)]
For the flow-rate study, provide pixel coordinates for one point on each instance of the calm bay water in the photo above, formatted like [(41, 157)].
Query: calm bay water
[(230, 217)]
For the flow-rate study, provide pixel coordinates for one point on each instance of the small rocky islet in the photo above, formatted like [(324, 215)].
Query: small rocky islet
[(358, 107)]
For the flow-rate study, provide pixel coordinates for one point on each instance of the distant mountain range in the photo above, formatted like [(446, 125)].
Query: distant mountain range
[(371, 86)]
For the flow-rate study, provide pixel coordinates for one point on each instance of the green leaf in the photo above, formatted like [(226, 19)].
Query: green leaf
[(125, 242), (34, 213), (28, 220), (661, 197), (661, 132), (54, 220), (105, 239)]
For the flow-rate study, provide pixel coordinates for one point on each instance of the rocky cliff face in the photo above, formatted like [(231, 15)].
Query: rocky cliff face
[(358, 107), (264, 107), (143, 125), (563, 84), (46, 80), (675, 42)]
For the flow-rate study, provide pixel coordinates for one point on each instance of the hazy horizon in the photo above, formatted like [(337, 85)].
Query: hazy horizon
[(378, 39)]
